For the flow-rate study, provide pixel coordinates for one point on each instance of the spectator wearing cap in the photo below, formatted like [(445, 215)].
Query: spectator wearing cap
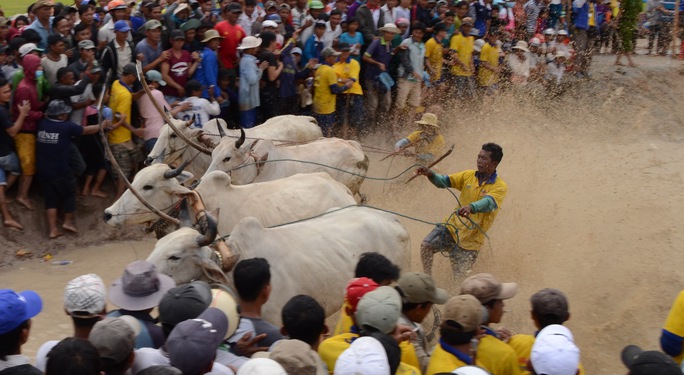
[(377, 59), (269, 91), (326, 88), (191, 43), (179, 15), (349, 103), (295, 356), (418, 295), (651, 362), (85, 57), (519, 63), (73, 356), (251, 15), (461, 60), (371, 19), (291, 73), (136, 293), (118, 52), (411, 70), (183, 302), (207, 70), (232, 35), (54, 58), (107, 33), (114, 339), (373, 354), (152, 119), (151, 47), (81, 32), (85, 303), (197, 108), (284, 13), (250, 76), (273, 27), (16, 311), (261, 366), (315, 14), (554, 352), (54, 172), (42, 9), (201, 337)]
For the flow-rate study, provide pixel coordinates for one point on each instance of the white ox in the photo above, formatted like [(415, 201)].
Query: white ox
[(274, 202), (170, 148), (316, 257), (258, 160)]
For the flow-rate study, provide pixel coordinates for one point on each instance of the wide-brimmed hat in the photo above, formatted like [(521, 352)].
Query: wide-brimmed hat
[(521, 45), (390, 27), (140, 288), (468, 21), (250, 42), (211, 34), (56, 108), (486, 288), (181, 8), (429, 119)]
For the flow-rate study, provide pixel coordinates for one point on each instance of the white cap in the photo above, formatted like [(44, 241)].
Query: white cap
[(470, 370), (261, 366), (478, 45), (269, 23), (365, 356), (535, 42), (562, 32), (85, 296), (296, 50), (28, 48), (554, 351)]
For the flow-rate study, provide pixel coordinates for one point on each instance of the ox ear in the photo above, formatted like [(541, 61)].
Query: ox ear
[(184, 177), (219, 178)]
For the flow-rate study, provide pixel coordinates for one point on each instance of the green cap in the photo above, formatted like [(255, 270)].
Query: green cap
[(316, 4), (192, 23)]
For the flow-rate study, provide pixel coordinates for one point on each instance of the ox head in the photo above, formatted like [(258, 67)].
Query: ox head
[(231, 153), (184, 255), (159, 185), (169, 145)]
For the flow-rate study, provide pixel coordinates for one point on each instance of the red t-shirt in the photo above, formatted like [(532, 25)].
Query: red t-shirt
[(178, 70), (232, 36)]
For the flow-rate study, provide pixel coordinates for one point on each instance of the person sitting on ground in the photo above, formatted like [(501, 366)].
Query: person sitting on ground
[(196, 107), (16, 311), (554, 352), (651, 362), (137, 292), (85, 299), (428, 143), (114, 339), (201, 337), (73, 356)]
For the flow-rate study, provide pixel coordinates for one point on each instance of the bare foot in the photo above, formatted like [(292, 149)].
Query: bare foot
[(70, 228), (55, 235), (13, 224), (26, 203), (99, 194)]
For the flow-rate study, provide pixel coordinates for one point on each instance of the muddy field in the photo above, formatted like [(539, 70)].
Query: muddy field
[(593, 209)]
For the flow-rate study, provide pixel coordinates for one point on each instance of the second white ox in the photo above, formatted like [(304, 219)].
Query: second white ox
[(275, 202), (170, 148), (316, 257), (260, 161)]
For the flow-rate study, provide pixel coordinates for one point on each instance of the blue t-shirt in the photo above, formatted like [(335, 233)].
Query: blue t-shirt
[(149, 53), (356, 39), (53, 142)]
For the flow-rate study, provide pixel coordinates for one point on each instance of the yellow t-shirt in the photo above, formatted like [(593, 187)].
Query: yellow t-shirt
[(324, 99), (490, 55), (522, 345), (331, 348), (443, 361), (497, 356), (463, 45), (349, 69), (345, 323), (434, 52), (675, 321), (120, 101), (425, 146)]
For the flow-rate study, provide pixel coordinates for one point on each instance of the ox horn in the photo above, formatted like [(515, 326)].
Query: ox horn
[(190, 122), (240, 141), (184, 214), (210, 232), (173, 173), (222, 133)]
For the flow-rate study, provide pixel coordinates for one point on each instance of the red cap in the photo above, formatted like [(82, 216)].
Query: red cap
[(357, 288)]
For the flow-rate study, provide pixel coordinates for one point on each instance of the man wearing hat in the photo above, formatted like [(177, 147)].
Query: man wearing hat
[(151, 47), (377, 58), (16, 311), (231, 34), (371, 19), (427, 142), (86, 56), (114, 339), (651, 362), (207, 71), (326, 89), (136, 293), (201, 337), (107, 33), (482, 193), (315, 15), (461, 60), (554, 352), (42, 9), (119, 51)]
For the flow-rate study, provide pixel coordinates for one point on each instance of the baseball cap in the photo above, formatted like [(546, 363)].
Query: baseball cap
[(270, 4), (141, 287), (155, 76), (379, 309), (225, 302), (97, 68), (86, 44), (295, 356), (200, 336), (357, 287), (186, 301), (190, 24), (16, 308), (272, 24), (365, 355), (235, 8), (465, 310), (274, 17), (121, 26), (344, 47), (152, 24), (550, 303), (486, 288), (416, 287), (470, 370), (554, 351), (56, 108), (651, 362), (296, 50), (467, 21), (316, 4), (177, 34), (115, 5), (42, 4), (28, 48), (114, 338), (85, 296), (129, 69), (329, 51), (261, 366), (285, 6), (181, 7)]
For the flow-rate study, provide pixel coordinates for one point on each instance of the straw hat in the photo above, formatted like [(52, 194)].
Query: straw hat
[(429, 119), (521, 45), (390, 27), (250, 42), (211, 34)]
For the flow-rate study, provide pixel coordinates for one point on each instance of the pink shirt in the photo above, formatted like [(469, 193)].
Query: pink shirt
[(153, 120)]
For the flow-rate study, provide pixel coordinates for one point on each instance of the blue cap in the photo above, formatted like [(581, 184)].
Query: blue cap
[(122, 26), (16, 308), (274, 17)]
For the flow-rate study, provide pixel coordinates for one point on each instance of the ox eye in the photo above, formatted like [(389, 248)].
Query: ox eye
[(227, 159), (174, 135), (173, 257), (147, 187)]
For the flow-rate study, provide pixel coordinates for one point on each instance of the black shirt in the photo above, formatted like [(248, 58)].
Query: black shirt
[(6, 141)]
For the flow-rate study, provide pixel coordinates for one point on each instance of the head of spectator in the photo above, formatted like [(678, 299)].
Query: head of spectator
[(73, 356), (181, 13), (418, 294), (440, 31), (329, 56), (31, 36), (491, 293), (20, 21), (128, 76), (296, 54), (461, 321), (62, 26), (114, 339), (554, 352), (86, 13), (316, 8), (29, 49), (202, 29), (160, 370), (549, 306), (250, 6), (231, 12), (345, 51), (261, 366), (121, 31), (250, 45), (16, 311), (190, 29), (65, 76), (352, 24), (252, 279), (183, 302), (117, 10), (418, 32), (268, 36), (335, 18), (177, 39), (212, 39), (85, 300), (56, 45), (295, 356), (193, 88), (319, 29), (154, 78), (141, 287), (14, 45), (379, 310), (155, 11), (271, 7), (201, 337), (389, 31), (57, 110), (378, 268), (304, 319), (650, 362), (356, 289), (467, 24), (82, 32), (153, 31), (86, 49), (284, 11), (32, 68), (43, 11), (368, 356)]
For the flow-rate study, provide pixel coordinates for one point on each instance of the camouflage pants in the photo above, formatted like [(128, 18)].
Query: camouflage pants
[(440, 240)]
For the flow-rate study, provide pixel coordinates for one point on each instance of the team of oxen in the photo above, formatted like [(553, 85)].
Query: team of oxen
[(277, 197)]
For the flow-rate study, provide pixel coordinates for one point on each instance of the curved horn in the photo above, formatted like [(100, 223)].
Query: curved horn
[(222, 133), (173, 173), (240, 141), (190, 122), (184, 214), (210, 233)]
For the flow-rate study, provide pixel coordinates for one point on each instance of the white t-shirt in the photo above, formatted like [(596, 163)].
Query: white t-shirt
[(200, 111), (148, 357), (51, 67), (330, 35)]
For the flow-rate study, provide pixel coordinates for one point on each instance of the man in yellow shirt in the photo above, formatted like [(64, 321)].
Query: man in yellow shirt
[(126, 152), (427, 142), (672, 335), (434, 61), (463, 232), (350, 102), (326, 88), (488, 74), (461, 60)]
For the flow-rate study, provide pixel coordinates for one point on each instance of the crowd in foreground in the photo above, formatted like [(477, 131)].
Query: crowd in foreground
[(201, 330)]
